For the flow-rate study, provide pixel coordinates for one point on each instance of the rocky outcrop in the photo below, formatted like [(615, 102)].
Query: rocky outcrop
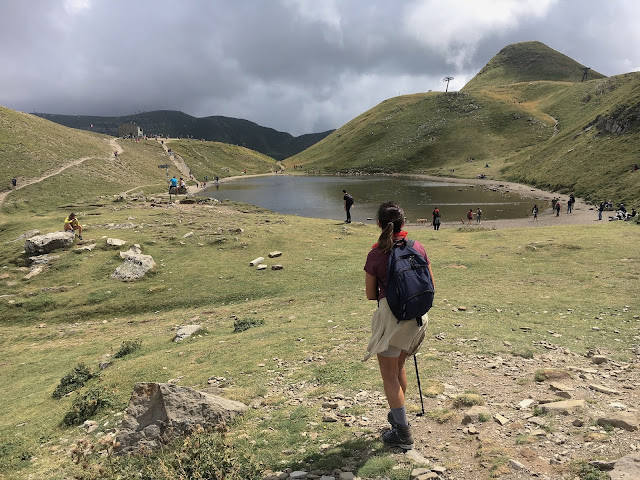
[(158, 412), (135, 265), (49, 242), (626, 468)]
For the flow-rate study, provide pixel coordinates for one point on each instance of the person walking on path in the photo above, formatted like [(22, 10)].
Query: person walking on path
[(570, 203), (392, 341), (553, 205), (14, 183), (469, 216), (535, 212), (348, 203), (557, 209), (478, 215), (436, 218), (600, 209)]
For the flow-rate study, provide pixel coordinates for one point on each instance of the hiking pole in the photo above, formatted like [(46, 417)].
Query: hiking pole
[(415, 361)]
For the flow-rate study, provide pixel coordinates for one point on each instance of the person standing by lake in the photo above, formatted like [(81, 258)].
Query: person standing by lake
[(392, 341), (478, 215), (436, 218), (469, 216), (348, 203), (534, 210), (600, 209), (557, 208)]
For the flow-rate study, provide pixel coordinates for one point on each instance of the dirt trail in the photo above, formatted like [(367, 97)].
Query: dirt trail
[(26, 182)]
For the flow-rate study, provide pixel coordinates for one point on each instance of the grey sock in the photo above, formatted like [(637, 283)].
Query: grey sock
[(400, 415)]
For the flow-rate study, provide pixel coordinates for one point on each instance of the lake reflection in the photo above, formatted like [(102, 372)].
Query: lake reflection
[(321, 197)]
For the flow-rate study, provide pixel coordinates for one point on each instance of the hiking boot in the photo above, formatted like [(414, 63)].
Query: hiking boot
[(80, 237), (399, 436)]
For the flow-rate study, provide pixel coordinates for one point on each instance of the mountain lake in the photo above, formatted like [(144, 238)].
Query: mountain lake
[(321, 197)]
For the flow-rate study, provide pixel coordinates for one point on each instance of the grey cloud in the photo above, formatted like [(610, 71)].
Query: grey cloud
[(277, 63)]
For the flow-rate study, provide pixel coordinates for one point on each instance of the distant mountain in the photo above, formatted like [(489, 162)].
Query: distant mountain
[(275, 144)]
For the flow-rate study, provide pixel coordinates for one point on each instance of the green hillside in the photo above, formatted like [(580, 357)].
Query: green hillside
[(268, 141), (526, 115), (80, 167), (221, 159), (526, 62)]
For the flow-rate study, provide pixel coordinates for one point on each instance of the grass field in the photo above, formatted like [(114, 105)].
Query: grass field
[(316, 319)]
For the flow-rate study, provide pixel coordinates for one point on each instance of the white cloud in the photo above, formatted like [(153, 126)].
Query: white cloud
[(76, 7), (456, 27)]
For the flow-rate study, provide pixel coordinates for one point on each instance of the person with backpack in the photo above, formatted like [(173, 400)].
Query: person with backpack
[(534, 210), (348, 203), (393, 336), (469, 216), (436, 218)]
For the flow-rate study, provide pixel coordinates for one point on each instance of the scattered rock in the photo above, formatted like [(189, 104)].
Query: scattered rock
[(625, 420), (599, 359), (626, 468), (603, 389), (565, 407), (262, 266), (34, 271), (274, 254), (115, 242), (134, 267), (158, 412), (277, 267), (42, 259), (501, 419), (472, 415), (133, 250), (187, 235), (49, 242), (256, 261), (86, 248), (186, 331), (526, 403)]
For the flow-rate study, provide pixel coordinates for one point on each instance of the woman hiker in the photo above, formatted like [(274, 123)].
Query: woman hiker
[(391, 341)]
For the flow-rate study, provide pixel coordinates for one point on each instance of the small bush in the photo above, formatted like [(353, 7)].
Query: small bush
[(584, 471), (73, 380), (242, 324), (441, 416), (87, 405), (127, 347), (483, 417), (468, 400)]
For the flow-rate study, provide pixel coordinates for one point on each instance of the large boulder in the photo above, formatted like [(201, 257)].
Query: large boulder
[(49, 242), (626, 468), (158, 412), (135, 266)]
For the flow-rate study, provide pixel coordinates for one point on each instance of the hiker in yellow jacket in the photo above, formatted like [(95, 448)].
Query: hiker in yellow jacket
[(71, 224)]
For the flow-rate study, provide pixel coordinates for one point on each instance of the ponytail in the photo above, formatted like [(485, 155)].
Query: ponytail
[(391, 215), (385, 241)]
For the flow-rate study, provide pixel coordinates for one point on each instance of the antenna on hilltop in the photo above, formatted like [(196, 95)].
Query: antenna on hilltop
[(447, 79), (585, 72)]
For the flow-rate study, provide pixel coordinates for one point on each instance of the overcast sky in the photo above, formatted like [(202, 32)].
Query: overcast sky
[(298, 66)]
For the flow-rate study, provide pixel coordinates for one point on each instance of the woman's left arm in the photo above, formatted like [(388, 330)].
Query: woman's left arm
[(371, 284)]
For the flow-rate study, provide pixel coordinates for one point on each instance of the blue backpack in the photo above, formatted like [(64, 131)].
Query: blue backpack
[(409, 285)]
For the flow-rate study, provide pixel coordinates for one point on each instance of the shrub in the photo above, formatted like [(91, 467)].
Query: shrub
[(240, 324), (468, 400), (127, 347), (73, 380), (87, 405)]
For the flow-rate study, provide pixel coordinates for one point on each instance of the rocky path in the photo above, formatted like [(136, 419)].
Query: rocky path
[(533, 417), (26, 182)]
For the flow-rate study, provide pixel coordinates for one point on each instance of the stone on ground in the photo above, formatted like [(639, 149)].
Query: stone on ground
[(159, 412), (49, 242)]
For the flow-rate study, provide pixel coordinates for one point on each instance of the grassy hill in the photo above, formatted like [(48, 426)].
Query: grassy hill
[(526, 62), (221, 159), (268, 141), (526, 114), (83, 168)]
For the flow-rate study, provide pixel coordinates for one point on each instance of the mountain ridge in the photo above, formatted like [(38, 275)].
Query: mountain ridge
[(235, 131)]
